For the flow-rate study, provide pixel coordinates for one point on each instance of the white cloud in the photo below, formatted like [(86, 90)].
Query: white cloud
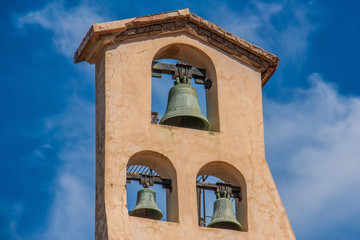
[(72, 213), (71, 136), (68, 25), (282, 27), (313, 140)]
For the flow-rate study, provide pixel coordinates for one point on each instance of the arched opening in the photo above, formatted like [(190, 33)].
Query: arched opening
[(156, 168), (202, 73), (161, 87), (211, 180)]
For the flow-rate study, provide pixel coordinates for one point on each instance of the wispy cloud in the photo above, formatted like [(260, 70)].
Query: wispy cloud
[(67, 24), (12, 211), (70, 134), (313, 141), (282, 26), (69, 146), (71, 215)]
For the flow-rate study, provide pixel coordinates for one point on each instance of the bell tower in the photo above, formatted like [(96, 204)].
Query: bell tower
[(203, 159)]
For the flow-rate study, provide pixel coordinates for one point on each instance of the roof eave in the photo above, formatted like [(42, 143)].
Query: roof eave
[(102, 34)]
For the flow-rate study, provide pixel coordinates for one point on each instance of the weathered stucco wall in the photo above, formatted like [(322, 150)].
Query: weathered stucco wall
[(123, 98), (100, 213)]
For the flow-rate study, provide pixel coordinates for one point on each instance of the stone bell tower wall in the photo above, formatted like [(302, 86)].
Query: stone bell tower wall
[(123, 129)]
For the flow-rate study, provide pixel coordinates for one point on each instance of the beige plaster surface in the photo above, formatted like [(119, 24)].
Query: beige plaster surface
[(123, 108)]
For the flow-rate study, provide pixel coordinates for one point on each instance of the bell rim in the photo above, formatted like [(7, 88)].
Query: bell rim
[(184, 111), (223, 220), (178, 114), (158, 212)]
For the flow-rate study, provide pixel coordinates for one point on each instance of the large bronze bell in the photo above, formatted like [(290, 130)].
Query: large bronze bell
[(183, 109), (223, 216), (146, 206)]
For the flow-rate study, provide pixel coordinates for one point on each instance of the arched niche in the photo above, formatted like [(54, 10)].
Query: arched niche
[(198, 58), (163, 166), (228, 173)]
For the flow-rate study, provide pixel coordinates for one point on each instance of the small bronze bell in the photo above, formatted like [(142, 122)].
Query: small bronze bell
[(223, 216), (183, 109), (146, 206)]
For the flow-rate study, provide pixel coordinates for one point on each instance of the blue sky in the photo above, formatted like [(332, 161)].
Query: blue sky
[(311, 110)]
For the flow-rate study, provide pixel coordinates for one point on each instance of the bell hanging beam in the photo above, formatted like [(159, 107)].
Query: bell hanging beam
[(199, 74), (142, 178)]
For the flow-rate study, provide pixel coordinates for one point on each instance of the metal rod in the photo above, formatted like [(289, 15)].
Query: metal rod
[(204, 202), (204, 207), (137, 166), (199, 205), (141, 170)]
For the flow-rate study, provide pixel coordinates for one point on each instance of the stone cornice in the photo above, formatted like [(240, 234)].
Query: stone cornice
[(102, 34)]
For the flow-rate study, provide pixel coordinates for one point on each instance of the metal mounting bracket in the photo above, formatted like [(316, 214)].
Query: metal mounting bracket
[(148, 180), (181, 70), (221, 187)]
